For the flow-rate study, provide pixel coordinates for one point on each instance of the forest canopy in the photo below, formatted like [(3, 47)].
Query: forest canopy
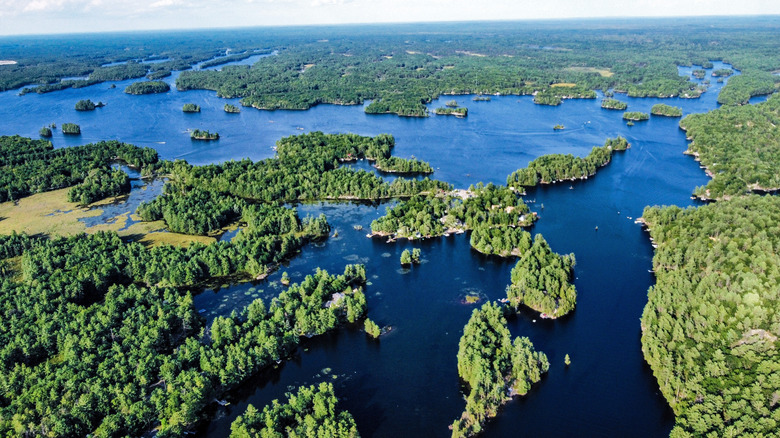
[(494, 368), (553, 168), (312, 411), (709, 329), (739, 146)]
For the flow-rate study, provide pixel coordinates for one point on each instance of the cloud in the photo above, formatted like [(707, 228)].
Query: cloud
[(165, 4), (330, 2)]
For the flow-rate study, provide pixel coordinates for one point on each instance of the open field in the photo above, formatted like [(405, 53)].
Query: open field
[(604, 72), (50, 213)]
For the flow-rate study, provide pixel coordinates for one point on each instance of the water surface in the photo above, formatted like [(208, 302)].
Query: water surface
[(406, 384)]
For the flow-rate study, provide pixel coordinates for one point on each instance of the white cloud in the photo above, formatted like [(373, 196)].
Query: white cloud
[(165, 4), (57, 16), (329, 2)]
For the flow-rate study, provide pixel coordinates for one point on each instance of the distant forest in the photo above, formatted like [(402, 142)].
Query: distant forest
[(403, 67)]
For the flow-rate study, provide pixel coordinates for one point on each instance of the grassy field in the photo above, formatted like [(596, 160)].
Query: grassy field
[(604, 72), (50, 213)]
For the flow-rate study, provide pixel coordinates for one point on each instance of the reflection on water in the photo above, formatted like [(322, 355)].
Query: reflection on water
[(140, 190)]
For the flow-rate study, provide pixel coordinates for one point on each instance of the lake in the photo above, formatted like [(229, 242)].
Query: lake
[(406, 384)]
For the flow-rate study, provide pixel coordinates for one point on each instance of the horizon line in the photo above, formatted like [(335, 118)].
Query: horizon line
[(393, 23)]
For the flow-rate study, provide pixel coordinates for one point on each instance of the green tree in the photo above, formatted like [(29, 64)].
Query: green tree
[(406, 258), (372, 329)]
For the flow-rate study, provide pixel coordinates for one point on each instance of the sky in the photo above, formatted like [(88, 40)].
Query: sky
[(19, 17)]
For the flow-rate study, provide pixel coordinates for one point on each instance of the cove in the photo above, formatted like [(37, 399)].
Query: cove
[(407, 384)]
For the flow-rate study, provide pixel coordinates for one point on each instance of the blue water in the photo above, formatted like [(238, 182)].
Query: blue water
[(248, 61), (407, 383)]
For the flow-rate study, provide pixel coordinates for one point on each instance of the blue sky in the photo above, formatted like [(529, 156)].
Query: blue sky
[(67, 16)]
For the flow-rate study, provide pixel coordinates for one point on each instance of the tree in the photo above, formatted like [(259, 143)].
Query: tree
[(406, 258), (372, 329)]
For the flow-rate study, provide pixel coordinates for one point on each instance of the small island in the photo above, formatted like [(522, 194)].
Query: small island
[(147, 87), (88, 105), (447, 213), (613, 104), (71, 129), (372, 329), (197, 134), (635, 116), (190, 108), (661, 109), (541, 280), (457, 111), (232, 109), (553, 168), (45, 132), (722, 73), (452, 104), (558, 127), (493, 367), (699, 73), (410, 258), (481, 98)]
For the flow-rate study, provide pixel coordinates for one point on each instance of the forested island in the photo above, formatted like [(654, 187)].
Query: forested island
[(553, 168), (494, 368), (197, 134), (709, 329), (148, 87), (202, 199), (635, 116), (409, 258), (722, 72), (232, 109), (541, 280), (88, 105), (661, 109), (45, 132), (741, 88), (190, 108), (452, 111), (312, 411), (613, 104), (724, 142), (436, 215), (71, 129), (554, 95)]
